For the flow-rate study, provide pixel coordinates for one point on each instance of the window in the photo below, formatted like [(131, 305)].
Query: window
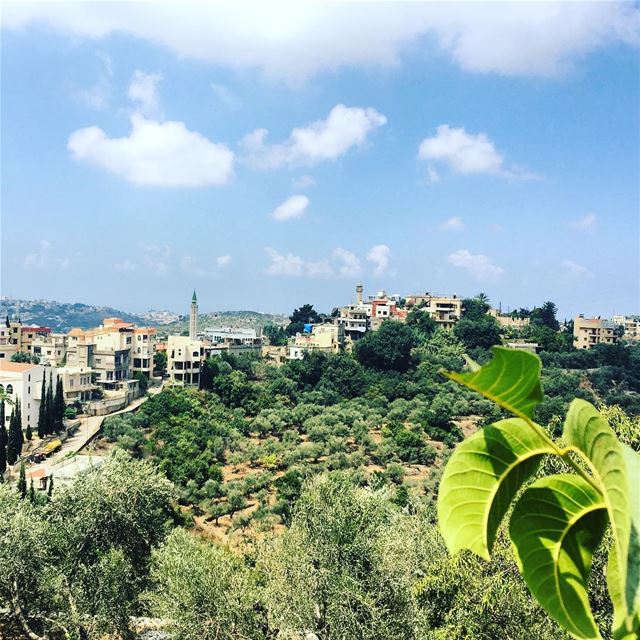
[(9, 389), (128, 339)]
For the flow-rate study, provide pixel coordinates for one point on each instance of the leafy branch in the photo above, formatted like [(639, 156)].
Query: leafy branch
[(558, 521)]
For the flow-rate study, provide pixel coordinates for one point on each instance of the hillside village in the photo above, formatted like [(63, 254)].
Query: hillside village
[(107, 368)]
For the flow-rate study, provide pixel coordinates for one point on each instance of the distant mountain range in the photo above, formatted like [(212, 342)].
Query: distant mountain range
[(63, 316)]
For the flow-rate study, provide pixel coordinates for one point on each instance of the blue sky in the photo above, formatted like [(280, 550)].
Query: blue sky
[(275, 155)]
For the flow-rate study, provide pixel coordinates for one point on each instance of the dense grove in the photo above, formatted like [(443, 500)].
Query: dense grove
[(295, 501)]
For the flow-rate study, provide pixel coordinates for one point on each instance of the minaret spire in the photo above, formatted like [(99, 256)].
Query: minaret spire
[(193, 317)]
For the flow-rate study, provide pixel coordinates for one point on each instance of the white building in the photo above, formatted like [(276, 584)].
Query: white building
[(631, 326), (24, 383)]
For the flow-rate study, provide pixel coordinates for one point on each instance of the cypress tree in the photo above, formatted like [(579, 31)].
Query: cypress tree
[(4, 437), (49, 409), (42, 416), (32, 493), (58, 404), (20, 434), (28, 433), (22, 482), (14, 445), (12, 442), (50, 488)]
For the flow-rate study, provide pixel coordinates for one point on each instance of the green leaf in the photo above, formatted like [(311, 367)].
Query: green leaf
[(555, 528), (616, 469), (480, 480), (511, 379)]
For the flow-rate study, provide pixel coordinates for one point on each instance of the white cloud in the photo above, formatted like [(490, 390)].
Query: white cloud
[(98, 95), (380, 256), (466, 153), (496, 228), (462, 152), (291, 208), (159, 154), (304, 182), (125, 265), (452, 224), (340, 264), (296, 41), (143, 90), (284, 265), (343, 129), (43, 258), (480, 266), (575, 271), (349, 266), (587, 223), (222, 262), (155, 257)]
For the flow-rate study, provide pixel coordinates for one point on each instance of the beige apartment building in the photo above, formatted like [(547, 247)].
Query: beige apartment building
[(114, 351), (18, 338), (588, 332), (327, 338), (77, 383), (445, 310), (184, 360)]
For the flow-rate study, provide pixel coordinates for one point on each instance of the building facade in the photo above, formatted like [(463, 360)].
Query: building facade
[(445, 310), (184, 360), (24, 383), (588, 332), (326, 338), (630, 324)]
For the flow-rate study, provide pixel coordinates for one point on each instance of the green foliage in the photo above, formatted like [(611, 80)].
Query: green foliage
[(331, 573), (143, 380), (14, 439), (276, 335), (422, 323), (483, 332), (160, 362), (24, 358), (204, 591), (388, 348), (305, 314), (559, 520), (475, 308), (4, 438), (75, 565), (22, 482), (546, 316)]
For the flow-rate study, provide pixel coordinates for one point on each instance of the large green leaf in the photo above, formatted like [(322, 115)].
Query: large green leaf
[(480, 480), (511, 379), (617, 471), (626, 611), (555, 528)]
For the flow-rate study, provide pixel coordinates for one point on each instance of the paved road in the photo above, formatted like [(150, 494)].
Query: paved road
[(89, 427)]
